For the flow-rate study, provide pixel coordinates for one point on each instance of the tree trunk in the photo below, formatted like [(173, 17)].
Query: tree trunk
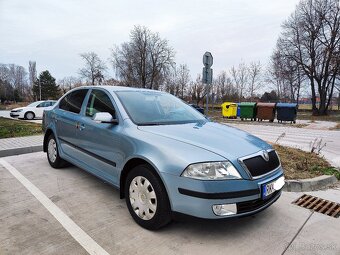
[(314, 108)]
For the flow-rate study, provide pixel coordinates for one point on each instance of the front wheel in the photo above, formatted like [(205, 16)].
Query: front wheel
[(53, 153), (146, 198), (29, 115)]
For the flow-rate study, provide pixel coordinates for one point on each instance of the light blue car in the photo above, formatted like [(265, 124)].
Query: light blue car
[(163, 155)]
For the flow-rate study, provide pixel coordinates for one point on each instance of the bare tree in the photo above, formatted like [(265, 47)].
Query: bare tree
[(287, 75), (225, 90), (239, 76), (183, 78), (32, 77), (254, 74), (145, 60), (68, 83), (94, 68), (170, 84), (4, 72), (197, 90), (311, 40), (32, 70)]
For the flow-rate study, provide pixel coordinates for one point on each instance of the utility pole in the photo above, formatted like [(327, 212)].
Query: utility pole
[(39, 91)]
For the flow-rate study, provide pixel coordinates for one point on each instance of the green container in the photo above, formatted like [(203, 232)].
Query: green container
[(248, 111)]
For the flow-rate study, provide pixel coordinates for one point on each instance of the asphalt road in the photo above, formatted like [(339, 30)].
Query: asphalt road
[(301, 138), (68, 211)]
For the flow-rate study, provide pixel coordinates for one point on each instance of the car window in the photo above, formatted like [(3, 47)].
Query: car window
[(34, 104), (43, 104), (73, 101), (99, 101)]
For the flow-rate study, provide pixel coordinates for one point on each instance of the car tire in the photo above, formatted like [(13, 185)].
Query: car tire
[(53, 153), (143, 188), (29, 115)]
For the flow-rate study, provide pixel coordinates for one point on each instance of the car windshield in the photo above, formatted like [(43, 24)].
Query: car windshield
[(157, 108), (34, 104)]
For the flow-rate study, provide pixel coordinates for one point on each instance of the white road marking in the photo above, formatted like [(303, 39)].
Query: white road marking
[(75, 231)]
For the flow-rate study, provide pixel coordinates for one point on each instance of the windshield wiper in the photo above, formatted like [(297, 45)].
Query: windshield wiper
[(153, 124)]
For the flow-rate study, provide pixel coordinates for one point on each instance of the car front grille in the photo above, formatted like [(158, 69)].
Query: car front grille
[(258, 166), (249, 206)]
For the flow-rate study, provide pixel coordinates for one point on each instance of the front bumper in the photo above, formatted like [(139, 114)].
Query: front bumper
[(196, 198), (16, 114)]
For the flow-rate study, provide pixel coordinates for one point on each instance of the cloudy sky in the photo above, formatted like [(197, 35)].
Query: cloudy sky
[(54, 33)]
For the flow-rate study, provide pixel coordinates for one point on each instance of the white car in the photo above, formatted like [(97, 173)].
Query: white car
[(33, 110)]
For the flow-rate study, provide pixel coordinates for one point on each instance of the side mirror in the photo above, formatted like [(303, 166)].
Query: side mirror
[(104, 117)]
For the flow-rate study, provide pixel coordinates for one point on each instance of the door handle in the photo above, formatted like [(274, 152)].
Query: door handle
[(54, 117), (81, 126)]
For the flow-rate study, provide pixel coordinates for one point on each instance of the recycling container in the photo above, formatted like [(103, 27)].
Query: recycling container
[(229, 110), (238, 110), (248, 111), (286, 112), (265, 111)]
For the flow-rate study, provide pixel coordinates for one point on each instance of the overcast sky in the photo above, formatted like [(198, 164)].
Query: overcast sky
[(54, 33)]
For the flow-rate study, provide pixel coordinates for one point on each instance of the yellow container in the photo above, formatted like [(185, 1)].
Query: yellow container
[(229, 110)]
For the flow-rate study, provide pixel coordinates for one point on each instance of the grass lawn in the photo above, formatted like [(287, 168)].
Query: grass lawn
[(298, 164), (332, 116), (16, 128)]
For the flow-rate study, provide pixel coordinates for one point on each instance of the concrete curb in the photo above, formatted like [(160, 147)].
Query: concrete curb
[(316, 183), (18, 151)]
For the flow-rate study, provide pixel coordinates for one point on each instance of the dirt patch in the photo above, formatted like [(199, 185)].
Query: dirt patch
[(12, 106), (337, 127), (298, 164)]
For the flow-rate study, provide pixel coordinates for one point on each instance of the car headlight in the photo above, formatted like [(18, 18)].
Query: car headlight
[(223, 170), (19, 110)]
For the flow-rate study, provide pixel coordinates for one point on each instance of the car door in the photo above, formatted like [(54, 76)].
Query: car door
[(39, 109), (67, 116), (100, 142)]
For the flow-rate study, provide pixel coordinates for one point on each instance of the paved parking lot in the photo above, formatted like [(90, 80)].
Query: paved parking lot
[(68, 211)]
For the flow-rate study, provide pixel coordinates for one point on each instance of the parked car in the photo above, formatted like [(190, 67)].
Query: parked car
[(197, 107), (164, 156), (33, 110)]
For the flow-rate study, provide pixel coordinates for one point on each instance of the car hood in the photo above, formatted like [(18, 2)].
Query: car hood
[(228, 142), (15, 109)]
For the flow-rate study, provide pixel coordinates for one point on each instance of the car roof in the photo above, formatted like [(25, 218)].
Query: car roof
[(48, 100), (117, 88)]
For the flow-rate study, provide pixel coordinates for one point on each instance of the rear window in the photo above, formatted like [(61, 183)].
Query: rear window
[(73, 101)]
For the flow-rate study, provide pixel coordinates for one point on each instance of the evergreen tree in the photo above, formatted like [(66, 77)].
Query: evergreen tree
[(49, 88)]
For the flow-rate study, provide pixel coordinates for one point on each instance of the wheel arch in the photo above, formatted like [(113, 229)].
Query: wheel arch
[(47, 134), (132, 163)]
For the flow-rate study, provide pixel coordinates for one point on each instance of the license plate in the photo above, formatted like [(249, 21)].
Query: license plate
[(271, 187)]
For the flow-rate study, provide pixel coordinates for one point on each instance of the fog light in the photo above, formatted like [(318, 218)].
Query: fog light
[(224, 209)]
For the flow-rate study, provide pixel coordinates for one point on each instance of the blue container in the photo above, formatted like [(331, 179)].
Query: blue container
[(238, 110), (286, 112)]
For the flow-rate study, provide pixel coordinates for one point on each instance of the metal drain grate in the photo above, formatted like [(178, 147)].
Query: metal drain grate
[(318, 205)]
